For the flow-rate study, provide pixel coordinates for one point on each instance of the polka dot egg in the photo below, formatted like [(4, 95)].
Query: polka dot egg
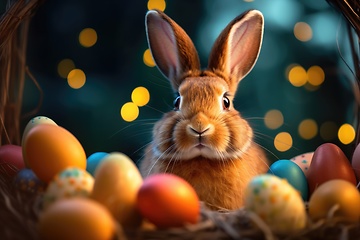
[(303, 161), (276, 202), (71, 182)]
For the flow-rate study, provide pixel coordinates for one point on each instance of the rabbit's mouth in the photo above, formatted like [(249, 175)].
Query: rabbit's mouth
[(200, 146)]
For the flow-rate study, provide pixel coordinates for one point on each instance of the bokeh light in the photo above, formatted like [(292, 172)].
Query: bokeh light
[(148, 59), (156, 4), (64, 67), (316, 75), (328, 130), (346, 133), (140, 96), (302, 31), (129, 111), (76, 78), (274, 119), (308, 129), (88, 37), (297, 76), (283, 141)]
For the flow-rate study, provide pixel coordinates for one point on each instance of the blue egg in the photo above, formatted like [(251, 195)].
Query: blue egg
[(26, 180), (93, 161), (293, 174)]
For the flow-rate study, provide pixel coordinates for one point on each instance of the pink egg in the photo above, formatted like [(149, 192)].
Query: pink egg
[(355, 161), (11, 159), (303, 161)]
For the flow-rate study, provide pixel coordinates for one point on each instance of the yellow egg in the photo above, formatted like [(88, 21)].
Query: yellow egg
[(117, 181), (32, 123), (76, 218), (69, 183), (50, 149), (339, 196), (276, 202)]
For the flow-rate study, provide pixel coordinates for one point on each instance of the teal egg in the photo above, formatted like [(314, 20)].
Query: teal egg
[(290, 171), (93, 161)]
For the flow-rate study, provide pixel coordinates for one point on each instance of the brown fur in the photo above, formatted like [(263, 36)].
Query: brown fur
[(206, 143)]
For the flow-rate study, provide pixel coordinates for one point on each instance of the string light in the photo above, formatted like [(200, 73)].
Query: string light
[(64, 67), (346, 134), (156, 4), (274, 119), (297, 76), (316, 75), (88, 37), (283, 141), (303, 31), (308, 129), (148, 59), (129, 111), (76, 78), (140, 96)]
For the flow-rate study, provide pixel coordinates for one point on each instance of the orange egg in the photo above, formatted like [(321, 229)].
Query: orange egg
[(168, 201), (50, 149), (338, 195), (76, 218)]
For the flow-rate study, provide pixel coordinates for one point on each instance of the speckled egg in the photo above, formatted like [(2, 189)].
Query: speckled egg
[(276, 202), (71, 182), (26, 180), (303, 161)]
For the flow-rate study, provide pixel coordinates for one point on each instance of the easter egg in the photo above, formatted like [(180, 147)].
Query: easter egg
[(76, 218), (303, 161), (32, 123), (276, 202), (50, 149), (26, 180), (93, 161), (168, 201), (355, 161), (329, 162), (11, 159), (292, 173), (339, 196), (70, 182), (117, 181)]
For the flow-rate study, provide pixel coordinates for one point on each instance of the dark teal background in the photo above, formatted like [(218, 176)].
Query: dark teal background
[(114, 67)]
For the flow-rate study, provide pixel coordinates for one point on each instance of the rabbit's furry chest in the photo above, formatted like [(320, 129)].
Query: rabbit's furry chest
[(219, 184)]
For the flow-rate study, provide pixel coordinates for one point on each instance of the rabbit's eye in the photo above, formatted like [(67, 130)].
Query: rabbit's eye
[(226, 103), (177, 103)]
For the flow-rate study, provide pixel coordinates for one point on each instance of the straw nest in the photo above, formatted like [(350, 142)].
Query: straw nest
[(20, 210)]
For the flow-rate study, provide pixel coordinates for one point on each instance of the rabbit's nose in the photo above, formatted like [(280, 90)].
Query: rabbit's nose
[(199, 132)]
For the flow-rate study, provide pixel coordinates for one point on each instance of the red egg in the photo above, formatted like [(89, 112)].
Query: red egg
[(329, 162), (167, 201), (11, 159)]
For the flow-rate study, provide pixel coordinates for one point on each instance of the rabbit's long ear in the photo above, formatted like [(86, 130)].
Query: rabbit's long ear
[(172, 49), (238, 46)]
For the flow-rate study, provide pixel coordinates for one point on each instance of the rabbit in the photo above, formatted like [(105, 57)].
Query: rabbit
[(204, 139)]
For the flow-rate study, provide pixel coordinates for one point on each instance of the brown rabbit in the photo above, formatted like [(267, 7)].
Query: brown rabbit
[(204, 139)]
